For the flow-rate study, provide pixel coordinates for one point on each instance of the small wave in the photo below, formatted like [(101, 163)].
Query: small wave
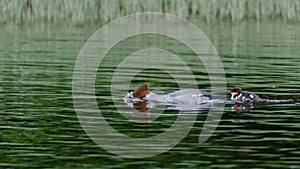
[(277, 101)]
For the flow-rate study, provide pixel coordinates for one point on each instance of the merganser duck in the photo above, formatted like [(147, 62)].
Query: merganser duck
[(244, 96), (182, 97)]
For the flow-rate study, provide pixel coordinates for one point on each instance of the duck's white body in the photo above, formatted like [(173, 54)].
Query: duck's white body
[(181, 97), (185, 96)]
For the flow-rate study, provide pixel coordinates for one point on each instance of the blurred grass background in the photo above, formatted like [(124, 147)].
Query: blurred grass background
[(103, 11)]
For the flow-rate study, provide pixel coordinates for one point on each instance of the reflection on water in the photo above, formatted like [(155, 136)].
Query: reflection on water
[(39, 127)]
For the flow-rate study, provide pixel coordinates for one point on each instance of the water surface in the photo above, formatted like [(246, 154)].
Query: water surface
[(39, 127)]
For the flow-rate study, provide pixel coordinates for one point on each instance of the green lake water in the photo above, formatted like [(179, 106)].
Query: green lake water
[(40, 129)]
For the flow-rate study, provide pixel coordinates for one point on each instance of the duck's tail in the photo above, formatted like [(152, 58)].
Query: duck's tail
[(142, 91)]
